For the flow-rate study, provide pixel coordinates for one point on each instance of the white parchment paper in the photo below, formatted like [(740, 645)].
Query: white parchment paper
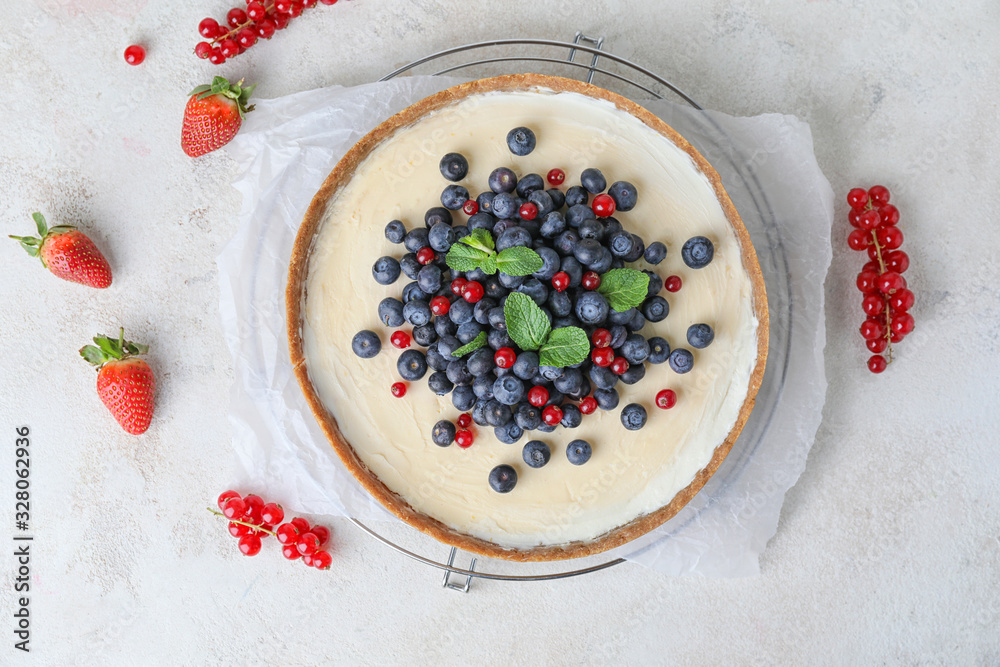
[(286, 149)]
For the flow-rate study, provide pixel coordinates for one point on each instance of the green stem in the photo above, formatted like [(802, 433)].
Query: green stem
[(243, 523)]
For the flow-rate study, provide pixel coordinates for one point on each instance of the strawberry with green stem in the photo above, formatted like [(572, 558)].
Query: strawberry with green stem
[(67, 253), (213, 115), (125, 383)]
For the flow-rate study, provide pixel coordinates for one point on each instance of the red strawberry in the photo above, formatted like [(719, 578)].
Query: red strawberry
[(213, 115), (67, 253), (124, 382)]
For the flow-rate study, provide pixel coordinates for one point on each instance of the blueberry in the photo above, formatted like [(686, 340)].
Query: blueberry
[(638, 248), (485, 201), (436, 215), (623, 317), (497, 319), (542, 201), (503, 478), (505, 205), (575, 215), (559, 303), (443, 433), (503, 225), (509, 390), (611, 225), (681, 360), (446, 345), (587, 251), (417, 312), (527, 416), (416, 239), (435, 359), (476, 274), (534, 288), (458, 373), (454, 166), (480, 362), (553, 225), (637, 322), (502, 179), (536, 454), (578, 452), (412, 365), (577, 195), (454, 196), (572, 417), (558, 198), (445, 327), (467, 332), (572, 267), (429, 279), (634, 373), (592, 308), (568, 321), (635, 349), (438, 381), (697, 252), (633, 416), (479, 412), (546, 428), (529, 184), (514, 236), (460, 312), (603, 263), (385, 270), (656, 309), (498, 414), (461, 231), (482, 386), (410, 266), (591, 228), (607, 399), (493, 288), (566, 241), (425, 335), (550, 264), (602, 377), (550, 373), (624, 194), (620, 243), (526, 365), (441, 236), (655, 253), (366, 344), (412, 291), (618, 335), (569, 381), (481, 311), (659, 350), (700, 336), (395, 231), (521, 141), (593, 180), (463, 397), (482, 221), (556, 397), (509, 433), (390, 312)]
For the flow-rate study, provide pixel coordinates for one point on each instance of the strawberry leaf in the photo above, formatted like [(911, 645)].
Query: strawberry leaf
[(40, 223), (93, 355)]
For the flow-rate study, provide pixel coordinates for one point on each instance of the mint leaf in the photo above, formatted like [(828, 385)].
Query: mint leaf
[(476, 343), (462, 257), (489, 265), (624, 288), (519, 261), (481, 239), (527, 324), (566, 346)]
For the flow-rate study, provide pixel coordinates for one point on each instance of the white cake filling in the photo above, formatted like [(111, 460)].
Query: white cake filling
[(631, 473)]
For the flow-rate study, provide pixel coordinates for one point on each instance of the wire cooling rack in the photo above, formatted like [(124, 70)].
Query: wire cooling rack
[(506, 56)]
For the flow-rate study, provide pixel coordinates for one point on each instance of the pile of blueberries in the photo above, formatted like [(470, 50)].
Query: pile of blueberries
[(570, 238)]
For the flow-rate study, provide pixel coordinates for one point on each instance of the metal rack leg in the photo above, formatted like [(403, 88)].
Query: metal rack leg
[(447, 574), (598, 42)]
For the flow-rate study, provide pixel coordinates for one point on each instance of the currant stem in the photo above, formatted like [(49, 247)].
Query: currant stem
[(243, 523), (885, 298), (267, 8)]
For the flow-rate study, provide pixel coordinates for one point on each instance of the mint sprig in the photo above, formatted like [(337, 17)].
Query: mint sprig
[(478, 251), (624, 288), (565, 346), (528, 326), (473, 345), (519, 261)]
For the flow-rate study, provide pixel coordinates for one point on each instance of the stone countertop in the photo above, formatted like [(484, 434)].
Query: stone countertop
[(888, 548)]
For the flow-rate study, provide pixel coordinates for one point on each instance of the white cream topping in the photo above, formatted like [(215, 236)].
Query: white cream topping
[(631, 473)]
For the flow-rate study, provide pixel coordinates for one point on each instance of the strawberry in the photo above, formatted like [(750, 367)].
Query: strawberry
[(213, 115), (125, 383), (68, 253)]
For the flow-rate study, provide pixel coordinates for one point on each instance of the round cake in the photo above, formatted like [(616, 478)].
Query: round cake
[(528, 317)]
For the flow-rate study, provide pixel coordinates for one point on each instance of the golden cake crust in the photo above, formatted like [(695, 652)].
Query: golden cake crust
[(296, 295)]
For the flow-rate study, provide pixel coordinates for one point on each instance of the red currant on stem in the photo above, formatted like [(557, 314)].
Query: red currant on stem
[(869, 220), (425, 256), (236, 17), (322, 533), (322, 560), (666, 399), (246, 37), (215, 56), (902, 323), (877, 345), (272, 514), (290, 551), (400, 339), (250, 545), (588, 405), (872, 304), (266, 28), (871, 329), (234, 508), (256, 10), (238, 529), (858, 239), (877, 363), (208, 28), (590, 280), (560, 281), (889, 215), (464, 438), (254, 505), (866, 281), (552, 415), (857, 198), (307, 544), (889, 282), (901, 301), (897, 261), (202, 49), (672, 283), (229, 47), (287, 533), (301, 524), (470, 207), (555, 177), (889, 238), (879, 195), (440, 305), (226, 495), (504, 357), (398, 389), (538, 396)]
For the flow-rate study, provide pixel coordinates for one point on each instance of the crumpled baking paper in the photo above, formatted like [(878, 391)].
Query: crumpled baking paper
[(286, 149)]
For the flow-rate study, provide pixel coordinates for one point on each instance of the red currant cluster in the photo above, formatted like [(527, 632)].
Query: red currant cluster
[(886, 299), (251, 519), (260, 20)]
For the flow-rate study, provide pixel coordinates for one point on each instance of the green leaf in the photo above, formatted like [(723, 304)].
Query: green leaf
[(519, 261), (489, 265), (93, 355), (527, 324), (565, 346), (624, 288), (40, 223), (476, 343), (462, 257), (481, 239)]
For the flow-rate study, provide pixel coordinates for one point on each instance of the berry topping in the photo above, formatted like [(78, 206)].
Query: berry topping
[(633, 416), (366, 344), (443, 433), (578, 452), (400, 339), (528, 211), (471, 207), (472, 292), (538, 396), (560, 281), (603, 357), (603, 206), (681, 360), (552, 415), (555, 177), (521, 141), (464, 420), (536, 453), (697, 252), (700, 336), (593, 181), (624, 195), (503, 478), (464, 438), (457, 285), (425, 256), (666, 399), (619, 365), (588, 405), (454, 166), (398, 389), (504, 357), (673, 283)]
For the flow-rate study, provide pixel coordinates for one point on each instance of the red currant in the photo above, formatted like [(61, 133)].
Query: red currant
[(229, 47), (464, 438), (283, 6), (854, 217), (425, 256), (889, 215), (876, 364), (472, 292), (588, 405), (504, 357), (555, 177), (538, 396), (889, 237), (400, 339), (869, 220), (290, 552), (296, 9), (896, 260), (287, 533), (256, 10), (272, 513), (896, 336), (307, 560), (672, 283), (879, 195), (528, 211), (236, 17), (250, 545), (872, 252), (202, 49), (226, 495), (266, 28), (254, 506), (300, 524), (858, 239), (208, 28), (246, 37), (457, 285), (871, 329), (872, 304), (234, 508), (603, 206), (902, 323), (238, 529), (398, 389), (552, 415), (601, 338), (889, 282), (440, 305), (560, 281), (666, 399), (877, 345), (135, 54), (619, 365), (322, 560), (901, 301), (591, 280), (866, 281), (602, 356), (322, 533), (464, 420), (309, 4), (308, 543), (216, 57), (470, 207), (281, 21), (857, 198)]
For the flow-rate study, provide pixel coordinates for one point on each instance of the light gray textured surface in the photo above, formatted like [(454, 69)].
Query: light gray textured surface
[(888, 548)]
